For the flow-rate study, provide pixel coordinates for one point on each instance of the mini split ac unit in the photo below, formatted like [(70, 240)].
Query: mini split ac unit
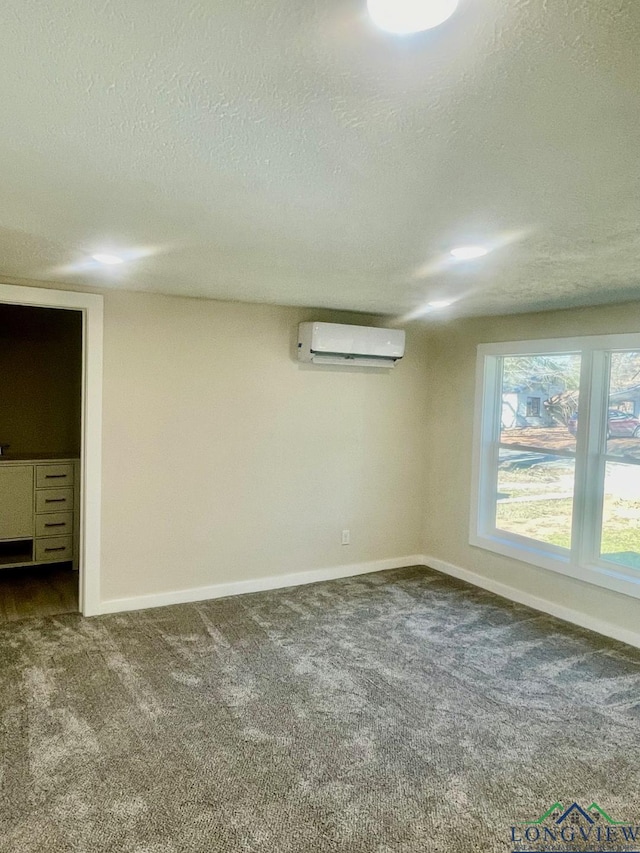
[(333, 343)]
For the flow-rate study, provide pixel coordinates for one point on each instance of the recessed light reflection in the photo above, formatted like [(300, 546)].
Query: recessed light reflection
[(451, 261), (108, 260), (468, 253), (432, 307), (114, 266)]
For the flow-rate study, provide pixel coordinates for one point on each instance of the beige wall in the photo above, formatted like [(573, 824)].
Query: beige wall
[(451, 375), (40, 380), (227, 460)]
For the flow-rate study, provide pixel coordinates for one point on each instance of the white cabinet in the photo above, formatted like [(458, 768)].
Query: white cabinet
[(38, 511), (16, 501)]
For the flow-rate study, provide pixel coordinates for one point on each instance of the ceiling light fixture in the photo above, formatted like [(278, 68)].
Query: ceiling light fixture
[(440, 303), (410, 16), (468, 253), (109, 260)]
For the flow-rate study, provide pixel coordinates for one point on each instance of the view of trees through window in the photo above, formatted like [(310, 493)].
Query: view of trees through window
[(621, 511), (539, 423), (537, 451)]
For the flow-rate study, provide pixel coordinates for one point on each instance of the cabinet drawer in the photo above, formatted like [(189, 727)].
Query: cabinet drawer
[(50, 476), (54, 548), (54, 524), (54, 500)]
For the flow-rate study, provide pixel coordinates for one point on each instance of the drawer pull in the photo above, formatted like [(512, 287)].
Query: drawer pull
[(55, 476), (55, 500), (56, 524), (61, 548)]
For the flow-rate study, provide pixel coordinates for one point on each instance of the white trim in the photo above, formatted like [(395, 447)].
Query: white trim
[(544, 346), (566, 614), (223, 590), (611, 576), (91, 305)]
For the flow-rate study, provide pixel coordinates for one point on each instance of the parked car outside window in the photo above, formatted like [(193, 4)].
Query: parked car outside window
[(619, 425)]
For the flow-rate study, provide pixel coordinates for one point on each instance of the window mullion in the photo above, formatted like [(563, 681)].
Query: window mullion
[(594, 439), (579, 531)]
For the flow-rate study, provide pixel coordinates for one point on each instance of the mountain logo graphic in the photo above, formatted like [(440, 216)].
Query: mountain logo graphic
[(591, 814)]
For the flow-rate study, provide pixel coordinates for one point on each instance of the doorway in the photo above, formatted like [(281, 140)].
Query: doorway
[(40, 426), (54, 462)]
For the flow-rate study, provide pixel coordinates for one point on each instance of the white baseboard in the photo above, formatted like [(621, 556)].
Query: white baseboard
[(567, 614), (222, 590)]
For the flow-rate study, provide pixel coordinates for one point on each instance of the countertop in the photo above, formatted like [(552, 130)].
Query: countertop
[(21, 458)]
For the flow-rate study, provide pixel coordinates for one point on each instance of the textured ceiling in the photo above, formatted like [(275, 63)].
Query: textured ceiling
[(286, 151)]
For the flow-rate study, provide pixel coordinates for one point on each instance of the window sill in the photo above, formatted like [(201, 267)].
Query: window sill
[(612, 577)]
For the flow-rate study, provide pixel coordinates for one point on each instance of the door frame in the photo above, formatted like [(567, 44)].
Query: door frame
[(92, 308)]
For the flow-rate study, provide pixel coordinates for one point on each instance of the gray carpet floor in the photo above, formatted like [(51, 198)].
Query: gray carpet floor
[(400, 711)]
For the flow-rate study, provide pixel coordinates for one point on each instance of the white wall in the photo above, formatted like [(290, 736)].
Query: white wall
[(451, 361), (224, 459)]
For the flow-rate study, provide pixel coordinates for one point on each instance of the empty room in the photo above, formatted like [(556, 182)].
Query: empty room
[(320, 426)]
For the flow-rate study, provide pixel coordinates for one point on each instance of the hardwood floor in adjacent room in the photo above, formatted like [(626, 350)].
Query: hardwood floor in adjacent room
[(44, 591)]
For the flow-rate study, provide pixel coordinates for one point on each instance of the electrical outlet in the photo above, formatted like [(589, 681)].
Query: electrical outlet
[(346, 537)]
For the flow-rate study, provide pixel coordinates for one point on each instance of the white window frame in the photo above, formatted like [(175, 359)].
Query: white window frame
[(582, 560)]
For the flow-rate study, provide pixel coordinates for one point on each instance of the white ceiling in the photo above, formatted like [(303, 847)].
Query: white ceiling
[(287, 151)]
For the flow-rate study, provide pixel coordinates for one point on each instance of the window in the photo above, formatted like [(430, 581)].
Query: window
[(557, 456), (533, 407)]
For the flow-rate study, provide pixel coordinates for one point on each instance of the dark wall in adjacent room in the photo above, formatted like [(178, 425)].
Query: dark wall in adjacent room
[(40, 380)]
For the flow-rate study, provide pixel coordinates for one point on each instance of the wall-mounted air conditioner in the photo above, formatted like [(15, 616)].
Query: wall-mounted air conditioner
[(365, 346)]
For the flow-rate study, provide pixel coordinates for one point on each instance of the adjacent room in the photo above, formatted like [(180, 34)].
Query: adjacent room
[(320, 426), (40, 425)]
